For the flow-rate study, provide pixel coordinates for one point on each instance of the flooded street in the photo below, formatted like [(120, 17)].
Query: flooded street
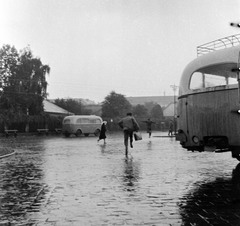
[(52, 180)]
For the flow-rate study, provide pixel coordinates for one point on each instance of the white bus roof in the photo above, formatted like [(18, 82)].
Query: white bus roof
[(83, 116), (223, 56)]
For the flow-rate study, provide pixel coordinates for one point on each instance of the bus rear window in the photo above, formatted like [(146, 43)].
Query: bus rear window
[(66, 121), (201, 80)]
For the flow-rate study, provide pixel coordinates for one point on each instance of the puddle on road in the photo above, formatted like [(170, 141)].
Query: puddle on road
[(156, 183), (21, 190), (130, 175), (213, 203)]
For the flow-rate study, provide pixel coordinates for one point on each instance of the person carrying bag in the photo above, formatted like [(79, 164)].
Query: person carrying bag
[(129, 125), (137, 135)]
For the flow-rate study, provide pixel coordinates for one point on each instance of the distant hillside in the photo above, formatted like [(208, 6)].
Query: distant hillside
[(163, 101), (166, 102)]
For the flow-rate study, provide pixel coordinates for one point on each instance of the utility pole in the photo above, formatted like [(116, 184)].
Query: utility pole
[(174, 87)]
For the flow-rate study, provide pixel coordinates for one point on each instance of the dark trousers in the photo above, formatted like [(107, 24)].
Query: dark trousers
[(128, 134)]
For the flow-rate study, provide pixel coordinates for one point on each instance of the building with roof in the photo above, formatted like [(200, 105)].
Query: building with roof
[(166, 102), (163, 101), (53, 109)]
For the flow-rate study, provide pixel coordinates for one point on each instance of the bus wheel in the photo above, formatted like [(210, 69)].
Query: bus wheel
[(97, 131), (86, 134), (78, 133)]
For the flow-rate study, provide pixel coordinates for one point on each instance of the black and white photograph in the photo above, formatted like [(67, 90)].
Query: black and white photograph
[(119, 112)]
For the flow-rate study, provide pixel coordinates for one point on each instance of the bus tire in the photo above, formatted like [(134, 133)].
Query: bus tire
[(78, 133)]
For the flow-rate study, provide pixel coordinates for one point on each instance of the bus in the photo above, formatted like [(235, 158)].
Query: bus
[(81, 124), (208, 108)]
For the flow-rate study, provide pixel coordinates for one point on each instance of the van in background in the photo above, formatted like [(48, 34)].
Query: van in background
[(81, 124)]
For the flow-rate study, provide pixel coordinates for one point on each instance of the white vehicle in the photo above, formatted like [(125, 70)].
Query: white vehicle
[(82, 124)]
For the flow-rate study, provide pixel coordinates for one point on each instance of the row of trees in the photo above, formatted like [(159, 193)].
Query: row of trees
[(116, 105), (23, 87), (73, 106)]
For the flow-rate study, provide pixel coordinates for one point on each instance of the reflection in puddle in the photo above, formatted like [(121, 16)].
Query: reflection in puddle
[(102, 147), (21, 191), (149, 145), (213, 203), (130, 174)]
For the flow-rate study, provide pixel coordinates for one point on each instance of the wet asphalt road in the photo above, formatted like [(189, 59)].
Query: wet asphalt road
[(52, 180)]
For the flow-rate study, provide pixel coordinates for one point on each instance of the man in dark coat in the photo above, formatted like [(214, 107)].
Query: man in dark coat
[(149, 123)]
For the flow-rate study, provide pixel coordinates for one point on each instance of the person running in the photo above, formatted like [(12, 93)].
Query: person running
[(129, 125), (170, 131), (149, 123), (102, 134)]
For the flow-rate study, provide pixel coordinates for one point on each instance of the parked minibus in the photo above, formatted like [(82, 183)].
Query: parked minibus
[(208, 111), (81, 124)]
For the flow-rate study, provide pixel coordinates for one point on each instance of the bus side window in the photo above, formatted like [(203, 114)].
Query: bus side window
[(92, 121), (231, 79), (79, 121), (203, 80), (214, 80), (85, 120)]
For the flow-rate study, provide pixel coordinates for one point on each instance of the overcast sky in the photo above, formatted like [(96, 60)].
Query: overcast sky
[(134, 47)]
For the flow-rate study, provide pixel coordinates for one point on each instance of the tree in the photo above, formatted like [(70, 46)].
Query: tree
[(23, 84), (73, 106), (140, 111), (32, 81), (157, 112), (115, 105), (149, 106)]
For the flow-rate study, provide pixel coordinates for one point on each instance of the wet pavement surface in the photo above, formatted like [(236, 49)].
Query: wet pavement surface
[(52, 180)]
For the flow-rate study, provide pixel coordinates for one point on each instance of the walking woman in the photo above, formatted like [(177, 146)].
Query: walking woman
[(102, 134)]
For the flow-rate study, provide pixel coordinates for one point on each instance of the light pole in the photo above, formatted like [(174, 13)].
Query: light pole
[(174, 87)]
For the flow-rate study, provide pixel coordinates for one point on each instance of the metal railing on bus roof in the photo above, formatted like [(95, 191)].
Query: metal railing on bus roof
[(218, 44)]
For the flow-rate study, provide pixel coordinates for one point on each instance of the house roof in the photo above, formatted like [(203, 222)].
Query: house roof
[(54, 109), (168, 111)]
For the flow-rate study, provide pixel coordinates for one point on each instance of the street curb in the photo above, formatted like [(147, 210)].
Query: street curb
[(8, 155)]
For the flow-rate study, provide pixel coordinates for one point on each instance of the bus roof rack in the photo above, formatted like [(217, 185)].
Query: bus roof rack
[(218, 44)]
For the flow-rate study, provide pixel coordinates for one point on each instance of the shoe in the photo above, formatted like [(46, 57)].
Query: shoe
[(131, 145)]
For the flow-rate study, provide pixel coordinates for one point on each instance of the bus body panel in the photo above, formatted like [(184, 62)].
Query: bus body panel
[(86, 124), (209, 115)]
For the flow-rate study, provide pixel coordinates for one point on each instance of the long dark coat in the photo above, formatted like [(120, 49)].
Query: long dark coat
[(102, 134)]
